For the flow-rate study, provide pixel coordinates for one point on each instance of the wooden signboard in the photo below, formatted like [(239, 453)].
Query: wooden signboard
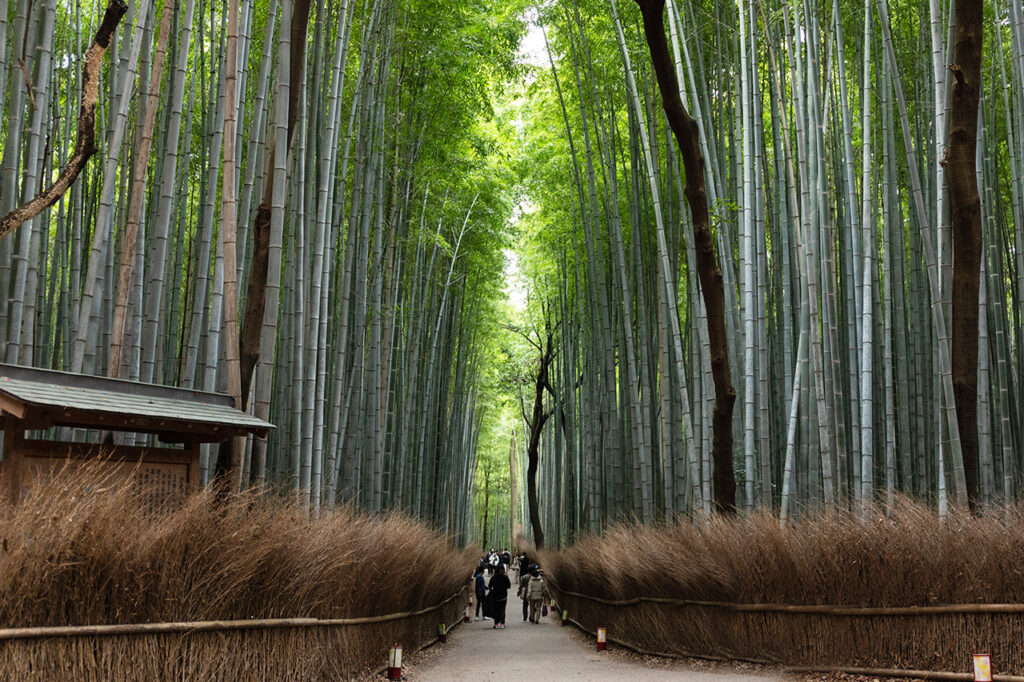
[(164, 475), (39, 400)]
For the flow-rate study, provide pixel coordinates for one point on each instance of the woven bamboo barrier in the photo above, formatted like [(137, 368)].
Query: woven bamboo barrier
[(934, 642), (868, 672), (302, 649)]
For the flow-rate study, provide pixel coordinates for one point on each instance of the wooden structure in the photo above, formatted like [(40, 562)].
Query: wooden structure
[(36, 399)]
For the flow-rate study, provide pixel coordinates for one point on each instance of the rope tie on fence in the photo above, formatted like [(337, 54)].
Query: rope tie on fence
[(210, 625)]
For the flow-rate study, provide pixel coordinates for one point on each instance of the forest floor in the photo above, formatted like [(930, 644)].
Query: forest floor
[(528, 652)]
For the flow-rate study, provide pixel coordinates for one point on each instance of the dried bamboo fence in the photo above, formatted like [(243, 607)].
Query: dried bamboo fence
[(290, 649), (933, 642)]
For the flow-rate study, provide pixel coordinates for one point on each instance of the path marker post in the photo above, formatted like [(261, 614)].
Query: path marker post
[(602, 639), (395, 662), (565, 617), (442, 632), (982, 667)]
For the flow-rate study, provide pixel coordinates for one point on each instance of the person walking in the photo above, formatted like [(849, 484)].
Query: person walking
[(480, 586), (524, 579), (537, 594), (500, 585)]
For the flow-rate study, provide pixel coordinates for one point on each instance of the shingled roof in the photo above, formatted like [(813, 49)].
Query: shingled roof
[(42, 398)]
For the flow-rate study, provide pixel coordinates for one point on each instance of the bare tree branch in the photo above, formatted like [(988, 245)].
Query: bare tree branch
[(85, 145), (525, 335)]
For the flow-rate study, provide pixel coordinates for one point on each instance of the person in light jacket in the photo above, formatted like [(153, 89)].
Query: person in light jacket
[(536, 594), (524, 578)]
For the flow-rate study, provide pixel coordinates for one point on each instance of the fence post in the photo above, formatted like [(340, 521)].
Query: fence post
[(395, 662)]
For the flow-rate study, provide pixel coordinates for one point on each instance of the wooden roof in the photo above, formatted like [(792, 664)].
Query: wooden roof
[(42, 398)]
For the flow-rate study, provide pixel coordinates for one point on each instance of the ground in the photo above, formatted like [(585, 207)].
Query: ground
[(531, 653)]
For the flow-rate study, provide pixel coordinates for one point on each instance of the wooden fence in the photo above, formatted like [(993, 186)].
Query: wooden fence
[(301, 649), (933, 642)]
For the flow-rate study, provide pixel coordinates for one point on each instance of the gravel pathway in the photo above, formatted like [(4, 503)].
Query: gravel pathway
[(531, 653)]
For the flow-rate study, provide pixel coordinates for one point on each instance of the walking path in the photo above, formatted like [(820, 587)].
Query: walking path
[(532, 653)]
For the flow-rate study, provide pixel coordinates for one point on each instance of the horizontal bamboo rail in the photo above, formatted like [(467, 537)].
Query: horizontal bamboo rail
[(872, 672), (809, 608), (189, 627)]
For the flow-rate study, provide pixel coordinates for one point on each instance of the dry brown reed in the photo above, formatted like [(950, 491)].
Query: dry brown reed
[(900, 557), (91, 552)]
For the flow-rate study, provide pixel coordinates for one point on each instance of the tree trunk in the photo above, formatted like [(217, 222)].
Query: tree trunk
[(965, 205), (513, 478), (537, 421), (256, 294), (487, 504), (687, 134), (228, 240), (127, 258)]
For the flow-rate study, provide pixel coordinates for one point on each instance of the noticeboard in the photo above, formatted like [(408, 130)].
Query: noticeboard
[(164, 476)]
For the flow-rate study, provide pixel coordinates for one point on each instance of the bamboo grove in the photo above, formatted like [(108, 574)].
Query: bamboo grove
[(342, 155), (824, 127), (307, 204)]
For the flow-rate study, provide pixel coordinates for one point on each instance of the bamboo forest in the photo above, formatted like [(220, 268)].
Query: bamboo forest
[(594, 280), (465, 281)]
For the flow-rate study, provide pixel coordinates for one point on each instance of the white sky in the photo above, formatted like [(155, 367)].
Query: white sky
[(533, 52), (531, 49), (514, 285)]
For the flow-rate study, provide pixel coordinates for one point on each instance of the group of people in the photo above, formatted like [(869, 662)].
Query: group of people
[(492, 584)]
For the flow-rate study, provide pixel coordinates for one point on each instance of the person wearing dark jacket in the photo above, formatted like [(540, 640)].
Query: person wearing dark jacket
[(480, 586), (500, 585)]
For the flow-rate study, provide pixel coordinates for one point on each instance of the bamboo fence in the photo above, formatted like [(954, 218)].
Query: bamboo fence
[(263, 648), (932, 642)]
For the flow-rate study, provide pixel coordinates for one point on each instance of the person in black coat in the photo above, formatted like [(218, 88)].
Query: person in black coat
[(480, 586), (499, 587)]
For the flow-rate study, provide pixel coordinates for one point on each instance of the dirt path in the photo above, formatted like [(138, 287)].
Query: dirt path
[(532, 653)]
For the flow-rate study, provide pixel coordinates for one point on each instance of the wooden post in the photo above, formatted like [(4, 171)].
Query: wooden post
[(192, 448), (14, 458)]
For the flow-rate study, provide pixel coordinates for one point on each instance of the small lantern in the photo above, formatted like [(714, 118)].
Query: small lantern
[(982, 667), (442, 632), (466, 617), (565, 617), (602, 639), (395, 663)]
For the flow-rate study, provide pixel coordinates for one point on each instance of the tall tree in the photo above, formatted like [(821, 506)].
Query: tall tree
[(540, 383), (256, 293), (686, 131), (965, 205)]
